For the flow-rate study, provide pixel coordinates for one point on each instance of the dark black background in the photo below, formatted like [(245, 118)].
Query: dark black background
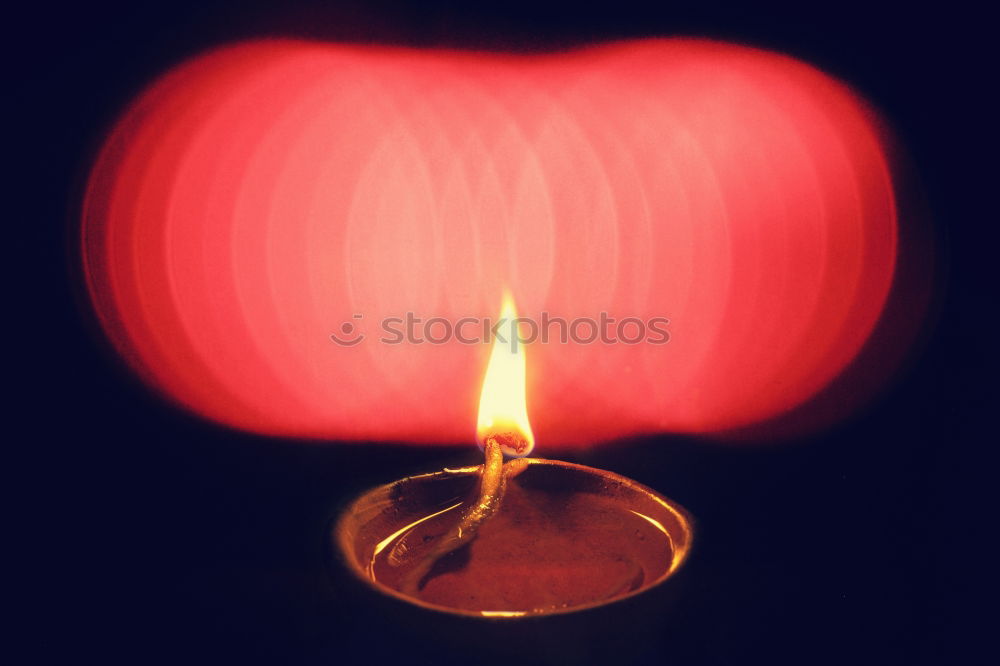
[(150, 536)]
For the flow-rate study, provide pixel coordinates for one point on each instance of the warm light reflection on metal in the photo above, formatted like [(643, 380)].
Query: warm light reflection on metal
[(384, 543), (503, 613), (678, 554), (657, 524), (680, 550)]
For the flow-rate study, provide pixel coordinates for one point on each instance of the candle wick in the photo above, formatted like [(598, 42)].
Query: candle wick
[(492, 485)]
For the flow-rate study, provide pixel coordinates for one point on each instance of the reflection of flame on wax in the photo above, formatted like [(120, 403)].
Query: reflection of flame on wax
[(503, 407)]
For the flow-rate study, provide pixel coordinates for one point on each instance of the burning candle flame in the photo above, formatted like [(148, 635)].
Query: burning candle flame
[(503, 406)]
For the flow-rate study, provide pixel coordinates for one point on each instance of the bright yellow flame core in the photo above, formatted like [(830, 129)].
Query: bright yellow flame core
[(503, 405)]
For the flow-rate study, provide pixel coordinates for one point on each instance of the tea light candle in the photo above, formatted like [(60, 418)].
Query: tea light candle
[(512, 539)]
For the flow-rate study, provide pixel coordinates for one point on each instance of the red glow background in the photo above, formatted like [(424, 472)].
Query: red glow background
[(256, 197)]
